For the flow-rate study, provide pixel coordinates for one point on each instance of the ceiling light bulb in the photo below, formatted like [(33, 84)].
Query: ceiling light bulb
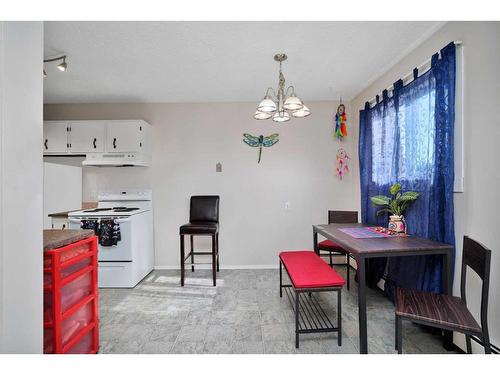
[(281, 116), (267, 105), (44, 74), (292, 103), (62, 66), (258, 115), (303, 112)]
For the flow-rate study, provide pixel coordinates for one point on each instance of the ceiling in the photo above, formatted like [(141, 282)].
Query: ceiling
[(221, 61)]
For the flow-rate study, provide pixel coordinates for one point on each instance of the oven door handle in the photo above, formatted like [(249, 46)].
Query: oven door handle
[(122, 220)]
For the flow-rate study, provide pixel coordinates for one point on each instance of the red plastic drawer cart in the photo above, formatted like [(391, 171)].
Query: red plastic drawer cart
[(71, 320)]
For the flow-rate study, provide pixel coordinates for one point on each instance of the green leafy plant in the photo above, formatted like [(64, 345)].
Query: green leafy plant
[(397, 203)]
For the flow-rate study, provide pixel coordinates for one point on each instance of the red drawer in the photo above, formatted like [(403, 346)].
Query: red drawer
[(71, 293), (72, 325), (88, 344)]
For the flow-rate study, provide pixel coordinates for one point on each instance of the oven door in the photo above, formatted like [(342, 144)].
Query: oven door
[(121, 252)]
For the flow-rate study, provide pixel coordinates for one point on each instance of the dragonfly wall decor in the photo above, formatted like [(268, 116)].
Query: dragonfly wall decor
[(260, 141)]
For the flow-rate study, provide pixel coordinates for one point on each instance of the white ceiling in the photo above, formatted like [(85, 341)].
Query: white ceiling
[(221, 61)]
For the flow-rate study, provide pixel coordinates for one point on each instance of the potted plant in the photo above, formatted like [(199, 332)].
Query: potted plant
[(396, 205)]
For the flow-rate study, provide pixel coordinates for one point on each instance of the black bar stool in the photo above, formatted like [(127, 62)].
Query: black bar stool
[(203, 221)]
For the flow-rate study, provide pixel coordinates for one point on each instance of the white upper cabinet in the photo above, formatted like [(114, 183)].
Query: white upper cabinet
[(100, 140), (55, 137), (124, 136), (86, 136)]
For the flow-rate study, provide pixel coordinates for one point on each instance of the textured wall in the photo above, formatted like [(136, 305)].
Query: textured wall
[(189, 139)]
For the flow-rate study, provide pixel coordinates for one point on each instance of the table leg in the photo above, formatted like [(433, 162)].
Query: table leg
[(315, 241), (447, 271), (363, 344)]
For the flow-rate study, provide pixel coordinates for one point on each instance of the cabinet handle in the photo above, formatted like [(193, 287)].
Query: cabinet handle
[(45, 144), (114, 142), (94, 143)]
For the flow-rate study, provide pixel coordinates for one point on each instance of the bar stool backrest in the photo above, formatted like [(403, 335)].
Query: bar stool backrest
[(477, 257), (204, 208), (342, 217)]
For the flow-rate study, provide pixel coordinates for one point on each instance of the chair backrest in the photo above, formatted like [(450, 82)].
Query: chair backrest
[(342, 217), (477, 257), (204, 208)]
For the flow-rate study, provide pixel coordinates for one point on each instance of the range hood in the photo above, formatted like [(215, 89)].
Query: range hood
[(117, 160)]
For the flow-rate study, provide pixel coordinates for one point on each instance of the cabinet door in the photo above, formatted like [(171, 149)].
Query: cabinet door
[(86, 137), (59, 223), (55, 137), (124, 136)]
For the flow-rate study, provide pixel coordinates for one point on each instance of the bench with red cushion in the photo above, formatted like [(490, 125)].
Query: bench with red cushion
[(307, 270), (309, 273)]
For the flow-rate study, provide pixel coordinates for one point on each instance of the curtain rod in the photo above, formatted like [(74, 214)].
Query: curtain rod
[(409, 77)]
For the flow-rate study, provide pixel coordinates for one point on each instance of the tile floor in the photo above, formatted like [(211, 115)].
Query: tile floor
[(243, 314)]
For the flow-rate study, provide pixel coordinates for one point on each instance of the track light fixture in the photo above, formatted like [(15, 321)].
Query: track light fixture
[(62, 66)]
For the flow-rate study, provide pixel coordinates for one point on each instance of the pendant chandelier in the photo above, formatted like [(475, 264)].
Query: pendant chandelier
[(284, 105)]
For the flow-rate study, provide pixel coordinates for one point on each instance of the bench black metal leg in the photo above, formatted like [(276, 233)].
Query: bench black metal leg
[(339, 316), (399, 335), (182, 260), (214, 261), (281, 280), (192, 254), (297, 319)]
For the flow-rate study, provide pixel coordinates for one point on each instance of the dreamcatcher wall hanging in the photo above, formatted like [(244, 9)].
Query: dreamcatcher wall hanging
[(342, 163)]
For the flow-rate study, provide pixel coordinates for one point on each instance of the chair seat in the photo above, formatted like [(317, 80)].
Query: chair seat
[(307, 270), (199, 228), (329, 245), (440, 309)]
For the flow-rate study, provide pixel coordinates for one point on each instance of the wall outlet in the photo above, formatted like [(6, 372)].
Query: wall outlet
[(287, 205), (218, 167)]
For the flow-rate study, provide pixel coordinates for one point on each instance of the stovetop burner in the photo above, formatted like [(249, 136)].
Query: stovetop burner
[(98, 210), (114, 209), (124, 209)]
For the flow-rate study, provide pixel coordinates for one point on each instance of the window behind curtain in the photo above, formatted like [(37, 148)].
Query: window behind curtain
[(405, 148)]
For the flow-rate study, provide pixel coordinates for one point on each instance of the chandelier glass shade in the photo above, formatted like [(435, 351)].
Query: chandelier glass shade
[(303, 112), (258, 115), (283, 105)]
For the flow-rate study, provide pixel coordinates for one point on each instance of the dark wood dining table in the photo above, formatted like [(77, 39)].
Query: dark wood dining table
[(365, 248)]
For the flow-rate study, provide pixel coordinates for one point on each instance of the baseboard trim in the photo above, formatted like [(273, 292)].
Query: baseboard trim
[(226, 267)]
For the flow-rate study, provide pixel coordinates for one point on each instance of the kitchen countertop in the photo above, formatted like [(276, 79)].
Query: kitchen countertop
[(54, 238), (85, 206)]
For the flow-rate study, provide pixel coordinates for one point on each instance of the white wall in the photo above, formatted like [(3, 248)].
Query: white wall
[(189, 139), (476, 209), (21, 174), (62, 189)]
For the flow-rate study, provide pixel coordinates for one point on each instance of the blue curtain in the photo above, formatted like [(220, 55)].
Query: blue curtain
[(408, 138)]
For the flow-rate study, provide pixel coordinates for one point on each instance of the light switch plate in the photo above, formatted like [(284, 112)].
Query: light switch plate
[(218, 167)]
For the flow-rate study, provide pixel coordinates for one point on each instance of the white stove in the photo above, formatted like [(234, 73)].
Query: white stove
[(127, 262)]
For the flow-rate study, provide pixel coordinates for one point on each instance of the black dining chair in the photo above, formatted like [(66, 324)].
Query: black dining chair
[(203, 221), (445, 311), (339, 217)]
